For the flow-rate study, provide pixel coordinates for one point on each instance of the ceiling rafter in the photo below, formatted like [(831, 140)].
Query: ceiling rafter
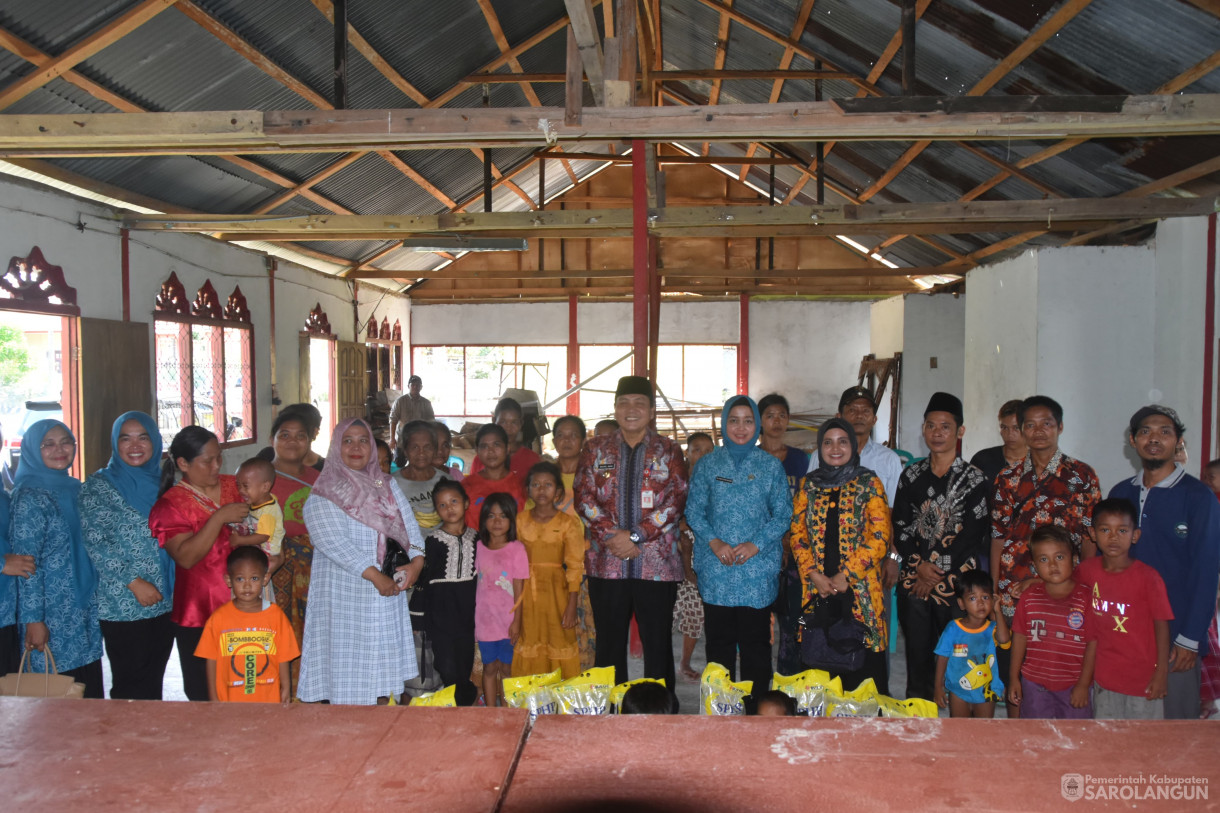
[(269, 67), (1036, 39), (785, 62), (722, 50), (370, 53), (108, 33), (1174, 85)]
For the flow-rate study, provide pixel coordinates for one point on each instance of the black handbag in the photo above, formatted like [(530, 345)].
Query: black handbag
[(831, 637), (395, 557)]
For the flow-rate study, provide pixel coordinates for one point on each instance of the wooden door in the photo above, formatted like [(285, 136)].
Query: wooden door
[(114, 378), (350, 372)]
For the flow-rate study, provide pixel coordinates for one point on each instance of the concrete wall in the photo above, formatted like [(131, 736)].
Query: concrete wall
[(1181, 278), (1001, 351), (886, 325), (1095, 350), (91, 259), (808, 351), (934, 327)]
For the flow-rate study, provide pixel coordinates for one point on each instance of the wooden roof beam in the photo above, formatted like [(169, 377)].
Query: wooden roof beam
[(976, 216), (450, 272), (374, 58), (249, 132), (110, 32), (584, 26)]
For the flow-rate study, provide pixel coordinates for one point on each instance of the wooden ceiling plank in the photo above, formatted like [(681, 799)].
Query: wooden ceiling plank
[(722, 48), (453, 272), (104, 36)]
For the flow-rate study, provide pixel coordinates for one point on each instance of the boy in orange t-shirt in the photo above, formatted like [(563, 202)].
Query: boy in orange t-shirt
[(252, 646)]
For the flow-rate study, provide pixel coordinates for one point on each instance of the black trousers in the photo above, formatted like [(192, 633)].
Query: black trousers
[(10, 649), (729, 631), (613, 602), (138, 652), (453, 660), (876, 666), (91, 675), (922, 622), (194, 670)]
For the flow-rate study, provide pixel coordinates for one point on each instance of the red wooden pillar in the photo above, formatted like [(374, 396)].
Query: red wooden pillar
[(654, 310), (743, 348), (640, 257), (573, 357), (125, 268)]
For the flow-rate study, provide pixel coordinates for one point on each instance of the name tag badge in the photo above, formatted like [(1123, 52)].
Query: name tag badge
[(605, 466), (646, 500), (723, 480)]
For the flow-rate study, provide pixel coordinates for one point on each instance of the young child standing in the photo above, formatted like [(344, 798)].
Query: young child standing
[(255, 479), (555, 543), (450, 582), (1051, 649), (491, 447), (248, 648), (967, 678), (688, 610), (503, 567), (1130, 619)]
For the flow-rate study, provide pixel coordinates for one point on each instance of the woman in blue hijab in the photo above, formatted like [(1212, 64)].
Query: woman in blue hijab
[(135, 574), (739, 507), (57, 605), (15, 567)]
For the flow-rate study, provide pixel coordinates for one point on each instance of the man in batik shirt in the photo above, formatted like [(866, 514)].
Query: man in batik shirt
[(631, 490), (941, 523)]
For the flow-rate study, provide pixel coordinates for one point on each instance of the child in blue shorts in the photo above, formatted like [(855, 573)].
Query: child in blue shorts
[(967, 677)]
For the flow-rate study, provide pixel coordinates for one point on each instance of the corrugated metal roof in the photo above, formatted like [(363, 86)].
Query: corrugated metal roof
[(172, 64)]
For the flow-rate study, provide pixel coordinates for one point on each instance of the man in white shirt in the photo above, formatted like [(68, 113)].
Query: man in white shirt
[(858, 407)]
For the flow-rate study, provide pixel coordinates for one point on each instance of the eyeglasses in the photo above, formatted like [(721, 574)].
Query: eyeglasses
[(66, 443)]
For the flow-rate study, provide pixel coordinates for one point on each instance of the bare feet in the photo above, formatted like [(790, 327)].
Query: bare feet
[(688, 674)]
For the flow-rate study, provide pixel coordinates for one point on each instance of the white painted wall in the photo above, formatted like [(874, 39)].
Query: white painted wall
[(1001, 354), (808, 351), (886, 327), (1181, 279), (519, 323), (933, 327), (1096, 325), (91, 259)]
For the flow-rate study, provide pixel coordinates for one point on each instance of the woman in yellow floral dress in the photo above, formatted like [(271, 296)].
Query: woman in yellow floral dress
[(568, 435), (840, 537)]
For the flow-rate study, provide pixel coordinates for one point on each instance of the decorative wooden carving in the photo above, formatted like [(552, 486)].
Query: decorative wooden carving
[(372, 331), (396, 333), (385, 328), (33, 279), (317, 324), (235, 308), (207, 303), (172, 298)]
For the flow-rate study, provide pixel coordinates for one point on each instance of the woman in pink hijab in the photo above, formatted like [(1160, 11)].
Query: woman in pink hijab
[(358, 647)]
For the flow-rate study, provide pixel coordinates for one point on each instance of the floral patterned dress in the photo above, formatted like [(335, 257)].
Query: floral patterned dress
[(864, 540)]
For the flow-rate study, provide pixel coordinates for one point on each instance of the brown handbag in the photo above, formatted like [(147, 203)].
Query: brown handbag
[(47, 684)]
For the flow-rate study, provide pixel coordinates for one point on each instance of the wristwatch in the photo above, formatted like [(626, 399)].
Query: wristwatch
[(894, 555), (636, 537)]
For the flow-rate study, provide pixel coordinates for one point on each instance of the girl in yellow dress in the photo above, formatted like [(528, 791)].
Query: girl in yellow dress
[(555, 543)]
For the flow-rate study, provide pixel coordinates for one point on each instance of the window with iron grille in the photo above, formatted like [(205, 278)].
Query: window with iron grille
[(205, 363)]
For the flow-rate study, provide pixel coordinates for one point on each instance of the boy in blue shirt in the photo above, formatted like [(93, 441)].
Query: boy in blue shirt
[(967, 677)]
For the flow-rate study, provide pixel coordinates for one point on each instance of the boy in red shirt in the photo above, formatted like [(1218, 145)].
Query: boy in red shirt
[(1130, 619), (252, 646), (1051, 650)]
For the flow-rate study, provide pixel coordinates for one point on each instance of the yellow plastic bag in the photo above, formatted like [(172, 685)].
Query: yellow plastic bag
[(719, 696), (807, 688), (616, 694), (919, 707), (587, 693), (861, 701), (441, 698), (533, 692)]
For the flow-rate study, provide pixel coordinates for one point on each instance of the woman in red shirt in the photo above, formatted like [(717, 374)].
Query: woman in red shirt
[(191, 521)]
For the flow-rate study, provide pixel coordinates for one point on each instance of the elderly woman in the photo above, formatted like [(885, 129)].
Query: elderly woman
[(358, 647), (739, 507), (840, 536), (57, 605), (191, 520), (135, 574)]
